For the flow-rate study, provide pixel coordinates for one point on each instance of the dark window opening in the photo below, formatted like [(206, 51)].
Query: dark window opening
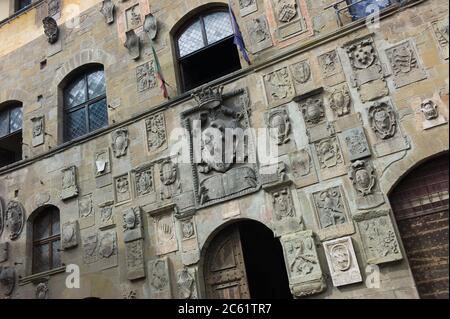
[(85, 106), (363, 8), (46, 241), (264, 262), (22, 4), (205, 49), (10, 134)]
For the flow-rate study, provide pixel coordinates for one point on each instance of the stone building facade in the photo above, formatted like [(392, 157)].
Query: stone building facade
[(132, 203)]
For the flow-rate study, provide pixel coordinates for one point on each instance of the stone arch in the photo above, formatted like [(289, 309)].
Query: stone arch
[(80, 59), (14, 95)]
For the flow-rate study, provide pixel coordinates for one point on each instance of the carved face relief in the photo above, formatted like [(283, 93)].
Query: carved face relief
[(286, 10), (429, 110), (340, 101), (283, 204), (313, 110), (120, 142), (301, 72), (15, 219), (279, 84), (329, 153), (156, 131), (330, 207), (362, 55), (383, 120), (279, 126)]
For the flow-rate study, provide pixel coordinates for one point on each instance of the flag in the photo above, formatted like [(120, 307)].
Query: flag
[(238, 39), (159, 75)]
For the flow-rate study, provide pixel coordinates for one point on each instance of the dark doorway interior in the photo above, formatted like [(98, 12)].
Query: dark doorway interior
[(264, 262)]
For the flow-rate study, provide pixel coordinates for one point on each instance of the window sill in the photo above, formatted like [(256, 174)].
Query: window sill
[(43, 276)]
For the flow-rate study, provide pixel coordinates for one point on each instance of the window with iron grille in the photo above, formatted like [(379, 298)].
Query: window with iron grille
[(46, 241), (85, 107), (10, 133), (205, 48)]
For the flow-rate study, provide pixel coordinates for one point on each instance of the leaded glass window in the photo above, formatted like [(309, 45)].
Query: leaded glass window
[(10, 120), (22, 4), (85, 105), (206, 30), (46, 241)]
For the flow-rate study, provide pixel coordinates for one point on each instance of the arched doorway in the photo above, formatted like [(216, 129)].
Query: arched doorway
[(245, 261), (420, 203)]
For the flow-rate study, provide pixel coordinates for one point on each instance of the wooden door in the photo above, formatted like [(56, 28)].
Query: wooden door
[(225, 275), (421, 203)]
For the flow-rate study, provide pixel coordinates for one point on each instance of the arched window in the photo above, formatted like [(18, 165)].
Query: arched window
[(46, 240), (205, 48), (85, 106), (10, 133)]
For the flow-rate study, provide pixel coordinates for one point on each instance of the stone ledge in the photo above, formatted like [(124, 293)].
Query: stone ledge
[(43, 276)]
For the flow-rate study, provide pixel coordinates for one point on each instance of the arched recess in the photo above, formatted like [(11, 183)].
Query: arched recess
[(244, 260), (420, 201)]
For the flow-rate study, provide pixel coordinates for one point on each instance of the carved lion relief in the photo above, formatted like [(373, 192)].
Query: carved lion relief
[(331, 208)]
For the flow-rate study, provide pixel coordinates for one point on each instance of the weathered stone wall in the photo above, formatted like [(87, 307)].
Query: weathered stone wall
[(350, 141)]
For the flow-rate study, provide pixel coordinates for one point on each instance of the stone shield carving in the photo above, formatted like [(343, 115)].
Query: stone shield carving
[(342, 262), (279, 86), (146, 77), (69, 236), (429, 110), (186, 284), (15, 219), (159, 279), (7, 280), (301, 72), (329, 153), (313, 110), (356, 142), (283, 205), (69, 183), (221, 164), (108, 10), (362, 54), (133, 44), (156, 131), (151, 26), (340, 101), (330, 207), (120, 142), (51, 30), (42, 291), (286, 10), (132, 224), (304, 271), (279, 126), (383, 120), (362, 174)]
